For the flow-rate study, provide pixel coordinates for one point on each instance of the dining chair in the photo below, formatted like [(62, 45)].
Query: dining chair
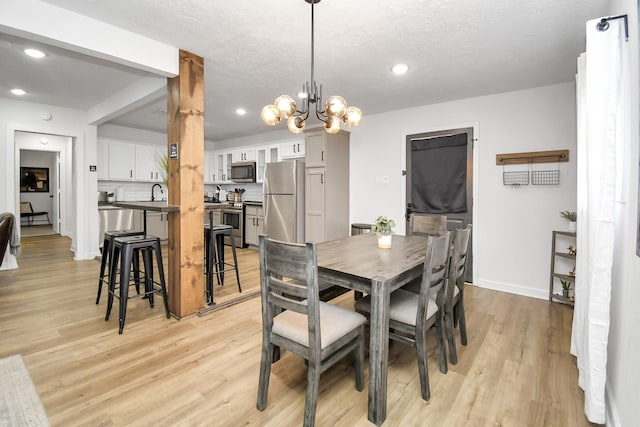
[(451, 300), (294, 318), (427, 225), (411, 315)]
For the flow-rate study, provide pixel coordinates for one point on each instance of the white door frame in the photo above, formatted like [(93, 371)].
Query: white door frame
[(62, 191)]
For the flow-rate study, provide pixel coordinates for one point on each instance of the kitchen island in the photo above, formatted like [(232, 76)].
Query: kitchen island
[(148, 206)]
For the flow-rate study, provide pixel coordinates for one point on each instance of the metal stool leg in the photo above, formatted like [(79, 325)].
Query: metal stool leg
[(106, 253), (115, 254), (163, 285), (235, 260), (125, 270)]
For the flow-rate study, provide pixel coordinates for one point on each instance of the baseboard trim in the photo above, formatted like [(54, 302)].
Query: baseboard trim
[(512, 289)]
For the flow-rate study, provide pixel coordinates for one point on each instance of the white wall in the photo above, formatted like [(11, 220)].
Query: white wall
[(623, 369), (25, 116), (512, 226)]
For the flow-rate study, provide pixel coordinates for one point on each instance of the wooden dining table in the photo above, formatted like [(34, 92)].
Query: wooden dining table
[(357, 263)]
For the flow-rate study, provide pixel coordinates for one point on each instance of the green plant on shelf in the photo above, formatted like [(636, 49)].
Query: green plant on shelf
[(566, 285)]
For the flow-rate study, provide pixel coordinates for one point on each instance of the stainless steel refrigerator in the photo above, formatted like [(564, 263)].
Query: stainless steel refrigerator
[(284, 201)]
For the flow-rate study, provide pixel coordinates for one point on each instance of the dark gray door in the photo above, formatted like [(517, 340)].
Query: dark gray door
[(440, 178)]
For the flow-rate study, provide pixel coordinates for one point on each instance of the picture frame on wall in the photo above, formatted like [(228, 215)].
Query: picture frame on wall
[(34, 180)]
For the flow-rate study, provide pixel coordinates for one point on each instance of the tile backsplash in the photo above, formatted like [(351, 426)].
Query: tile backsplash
[(136, 191)]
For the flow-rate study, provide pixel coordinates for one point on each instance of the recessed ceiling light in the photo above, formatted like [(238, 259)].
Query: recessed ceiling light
[(400, 69), (18, 92), (241, 111), (34, 53)]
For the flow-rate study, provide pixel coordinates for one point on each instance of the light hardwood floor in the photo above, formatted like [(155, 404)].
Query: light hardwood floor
[(203, 371)]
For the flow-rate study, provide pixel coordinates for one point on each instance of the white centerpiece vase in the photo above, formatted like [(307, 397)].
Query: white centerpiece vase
[(384, 241)]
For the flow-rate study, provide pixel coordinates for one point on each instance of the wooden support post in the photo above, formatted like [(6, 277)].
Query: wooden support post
[(185, 131)]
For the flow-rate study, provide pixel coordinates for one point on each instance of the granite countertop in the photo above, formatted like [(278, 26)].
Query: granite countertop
[(253, 202), (148, 206)]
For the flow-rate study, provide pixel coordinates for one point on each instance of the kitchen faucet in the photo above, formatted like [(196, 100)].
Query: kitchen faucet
[(152, 191)]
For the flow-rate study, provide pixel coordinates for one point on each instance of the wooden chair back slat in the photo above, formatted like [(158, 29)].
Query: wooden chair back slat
[(425, 225)]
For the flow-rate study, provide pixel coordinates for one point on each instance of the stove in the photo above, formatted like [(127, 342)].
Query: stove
[(233, 215)]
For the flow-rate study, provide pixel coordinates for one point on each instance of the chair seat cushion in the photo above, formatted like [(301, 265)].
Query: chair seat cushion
[(335, 322), (403, 306)]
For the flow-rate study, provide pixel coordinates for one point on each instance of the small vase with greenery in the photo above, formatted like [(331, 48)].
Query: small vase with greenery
[(566, 287), (571, 217), (383, 228)]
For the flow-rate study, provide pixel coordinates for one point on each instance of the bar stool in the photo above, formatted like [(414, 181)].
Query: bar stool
[(107, 253), (214, 257), (125, 248)]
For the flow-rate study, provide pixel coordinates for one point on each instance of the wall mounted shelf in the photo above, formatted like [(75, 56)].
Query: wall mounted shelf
[(532, 157)]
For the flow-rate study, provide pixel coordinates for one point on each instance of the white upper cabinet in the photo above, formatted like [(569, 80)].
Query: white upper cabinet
[(148, 163), (292, 150), (121, 160), (264, 155), (210, 167), (223, 166), (103, 159), (244, 155)]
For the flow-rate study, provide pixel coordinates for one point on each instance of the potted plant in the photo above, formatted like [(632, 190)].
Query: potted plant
[(164, 166), (571, 217), (383, 228), (566, 287)]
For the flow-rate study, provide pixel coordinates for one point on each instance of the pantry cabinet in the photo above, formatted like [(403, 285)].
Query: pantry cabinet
[(326, 185)]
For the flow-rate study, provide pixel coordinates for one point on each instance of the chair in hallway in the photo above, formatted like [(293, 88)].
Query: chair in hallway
[(411, 315), (26, 211), (294, 318)]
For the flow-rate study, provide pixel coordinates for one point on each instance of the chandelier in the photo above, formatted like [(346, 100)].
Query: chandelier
[(335, 109)]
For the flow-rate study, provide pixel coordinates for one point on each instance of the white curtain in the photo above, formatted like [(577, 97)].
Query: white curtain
[(599, 111)]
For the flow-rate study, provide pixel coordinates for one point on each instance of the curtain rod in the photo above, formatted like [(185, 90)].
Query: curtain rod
[(603, 25)]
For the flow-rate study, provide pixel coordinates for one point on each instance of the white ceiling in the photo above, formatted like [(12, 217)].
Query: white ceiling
[(257, 50)]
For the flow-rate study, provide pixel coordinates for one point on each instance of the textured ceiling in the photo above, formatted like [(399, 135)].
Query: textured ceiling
[(257, 50)]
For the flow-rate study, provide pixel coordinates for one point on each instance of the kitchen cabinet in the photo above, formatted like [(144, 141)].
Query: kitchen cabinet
[(564, 261), (245, 155), (103, 159), (121, 160), (148, 163), (209, 167), (292, 150), (326, 185), (223, 166), (264, 155), (253, 225), (158, 224)]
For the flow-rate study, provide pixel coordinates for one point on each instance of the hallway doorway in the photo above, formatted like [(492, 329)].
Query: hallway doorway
[(440, 178)]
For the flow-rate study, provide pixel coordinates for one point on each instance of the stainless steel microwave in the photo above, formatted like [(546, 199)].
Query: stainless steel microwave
[(243, 172)]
